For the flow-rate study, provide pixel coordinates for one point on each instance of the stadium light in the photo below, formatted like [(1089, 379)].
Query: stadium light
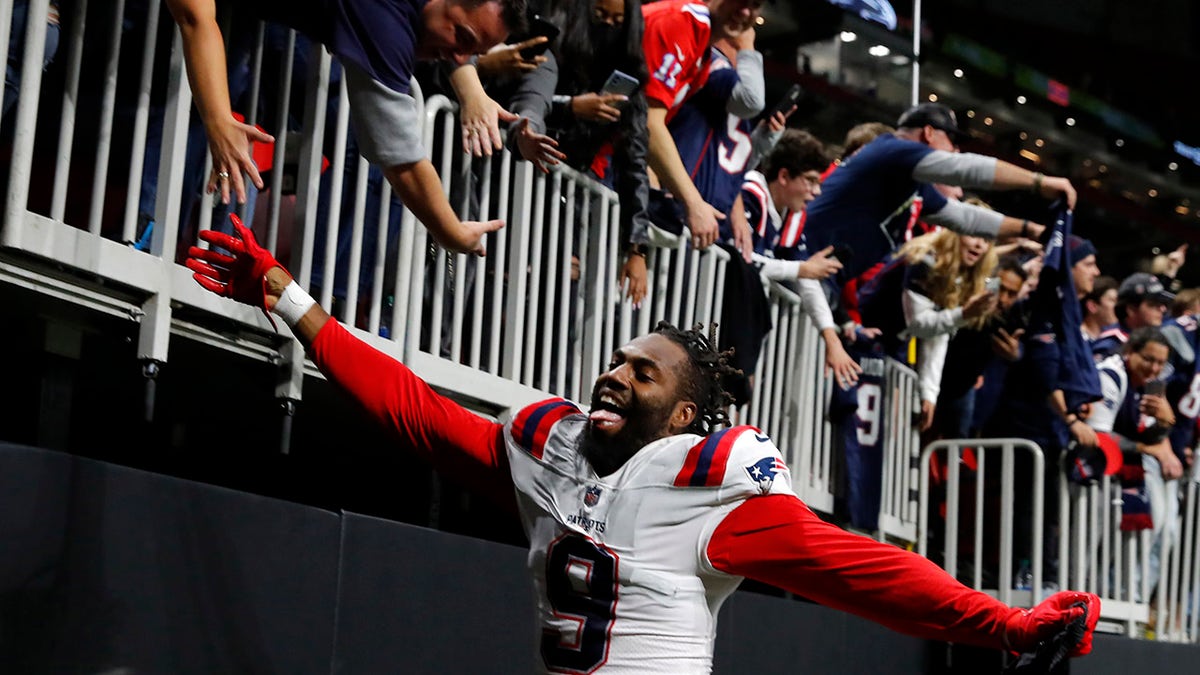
[(849, 36), (879, 50)]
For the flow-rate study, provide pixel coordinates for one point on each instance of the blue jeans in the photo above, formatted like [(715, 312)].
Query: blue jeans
[(16, 52)]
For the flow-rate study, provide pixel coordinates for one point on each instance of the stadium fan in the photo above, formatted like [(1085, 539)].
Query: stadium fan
[(1047, 393), (718, 143), (977, 359), (16, 48), (934, 285), (875, 184), (1139, 419), (377, 45), (1142, 301), (789, 181), (645, 515), (1100, 326), (679, 34), (601, 131)]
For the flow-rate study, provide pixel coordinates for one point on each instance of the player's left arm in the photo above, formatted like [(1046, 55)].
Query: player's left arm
[(456, 441), (778, 540)]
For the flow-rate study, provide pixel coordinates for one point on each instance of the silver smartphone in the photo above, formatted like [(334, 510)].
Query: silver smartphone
[(620, 83)]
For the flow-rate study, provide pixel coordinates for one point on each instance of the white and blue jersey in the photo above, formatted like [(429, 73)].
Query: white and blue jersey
[(1182, 374)]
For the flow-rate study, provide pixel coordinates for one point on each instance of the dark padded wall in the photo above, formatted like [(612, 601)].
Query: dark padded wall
[(129, 569), (434, 602), (104, 567)]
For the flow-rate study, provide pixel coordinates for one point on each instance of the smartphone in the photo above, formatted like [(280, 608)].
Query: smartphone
[(789, 99), (992, 285), (843, 253), (620, 83), (1155, 387), (539, 27)]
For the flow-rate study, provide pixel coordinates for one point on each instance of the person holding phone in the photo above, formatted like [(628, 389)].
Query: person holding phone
[(1135, 412), (589, 96), (934, 285)]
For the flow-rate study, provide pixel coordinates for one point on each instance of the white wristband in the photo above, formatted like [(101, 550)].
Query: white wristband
[(293, 304)]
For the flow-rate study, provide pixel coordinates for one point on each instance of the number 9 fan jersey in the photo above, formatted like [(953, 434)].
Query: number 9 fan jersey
[(622, 580)]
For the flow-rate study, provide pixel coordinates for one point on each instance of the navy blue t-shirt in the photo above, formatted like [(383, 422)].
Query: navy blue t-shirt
[(379, 36), (862, 196)]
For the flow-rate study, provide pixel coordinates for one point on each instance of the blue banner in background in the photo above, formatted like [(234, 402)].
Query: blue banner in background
[(879, 11)]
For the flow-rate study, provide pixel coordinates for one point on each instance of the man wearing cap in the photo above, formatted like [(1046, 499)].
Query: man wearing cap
[(1142, 301), (880, 181)]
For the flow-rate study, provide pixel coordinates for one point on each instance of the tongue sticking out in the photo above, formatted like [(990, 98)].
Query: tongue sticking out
[(605, 417)]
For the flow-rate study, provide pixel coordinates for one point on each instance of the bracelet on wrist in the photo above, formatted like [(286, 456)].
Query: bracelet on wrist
[(1037, 182), (1025, 228)]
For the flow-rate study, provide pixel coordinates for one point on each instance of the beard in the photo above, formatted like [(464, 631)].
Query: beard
[(608, 452)]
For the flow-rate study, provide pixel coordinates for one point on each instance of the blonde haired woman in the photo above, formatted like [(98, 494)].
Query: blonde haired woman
[(940, 279)]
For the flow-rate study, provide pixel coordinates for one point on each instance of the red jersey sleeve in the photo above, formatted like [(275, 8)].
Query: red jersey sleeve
[(456, 441), (776, 539), (676, 49)]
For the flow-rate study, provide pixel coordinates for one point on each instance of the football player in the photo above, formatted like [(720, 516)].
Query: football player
[(646, 512)]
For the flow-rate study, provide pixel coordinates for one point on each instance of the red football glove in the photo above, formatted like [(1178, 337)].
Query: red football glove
[(242, 275), (1033, 626)]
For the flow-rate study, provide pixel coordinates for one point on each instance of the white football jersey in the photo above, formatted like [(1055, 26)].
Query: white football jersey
[(621, 576)]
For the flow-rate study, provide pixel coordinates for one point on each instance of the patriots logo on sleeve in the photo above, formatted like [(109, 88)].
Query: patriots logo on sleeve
[(764, 472)]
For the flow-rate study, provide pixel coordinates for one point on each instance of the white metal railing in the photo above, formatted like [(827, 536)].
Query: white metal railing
[(955, 529), (516, 316), (1092, 553), (901, 451), (790, 399), (501, 330)]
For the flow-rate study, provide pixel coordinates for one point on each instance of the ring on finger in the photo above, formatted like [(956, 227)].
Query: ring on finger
[(222, 175)]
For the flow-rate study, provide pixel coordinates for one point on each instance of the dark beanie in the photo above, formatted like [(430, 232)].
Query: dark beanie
[(1079, 248)]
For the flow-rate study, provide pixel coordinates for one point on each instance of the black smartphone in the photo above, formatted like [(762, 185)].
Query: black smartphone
[(789, 99), (539, 27), (1155, 388), (843, 253)]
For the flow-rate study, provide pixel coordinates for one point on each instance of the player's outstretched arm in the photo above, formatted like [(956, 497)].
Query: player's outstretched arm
[(778, 540), (455, 440)]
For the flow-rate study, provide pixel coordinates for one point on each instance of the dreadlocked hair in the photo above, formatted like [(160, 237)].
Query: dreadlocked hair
[(705, 384)]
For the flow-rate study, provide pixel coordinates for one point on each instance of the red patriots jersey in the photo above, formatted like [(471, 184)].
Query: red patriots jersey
[(676, 43)]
